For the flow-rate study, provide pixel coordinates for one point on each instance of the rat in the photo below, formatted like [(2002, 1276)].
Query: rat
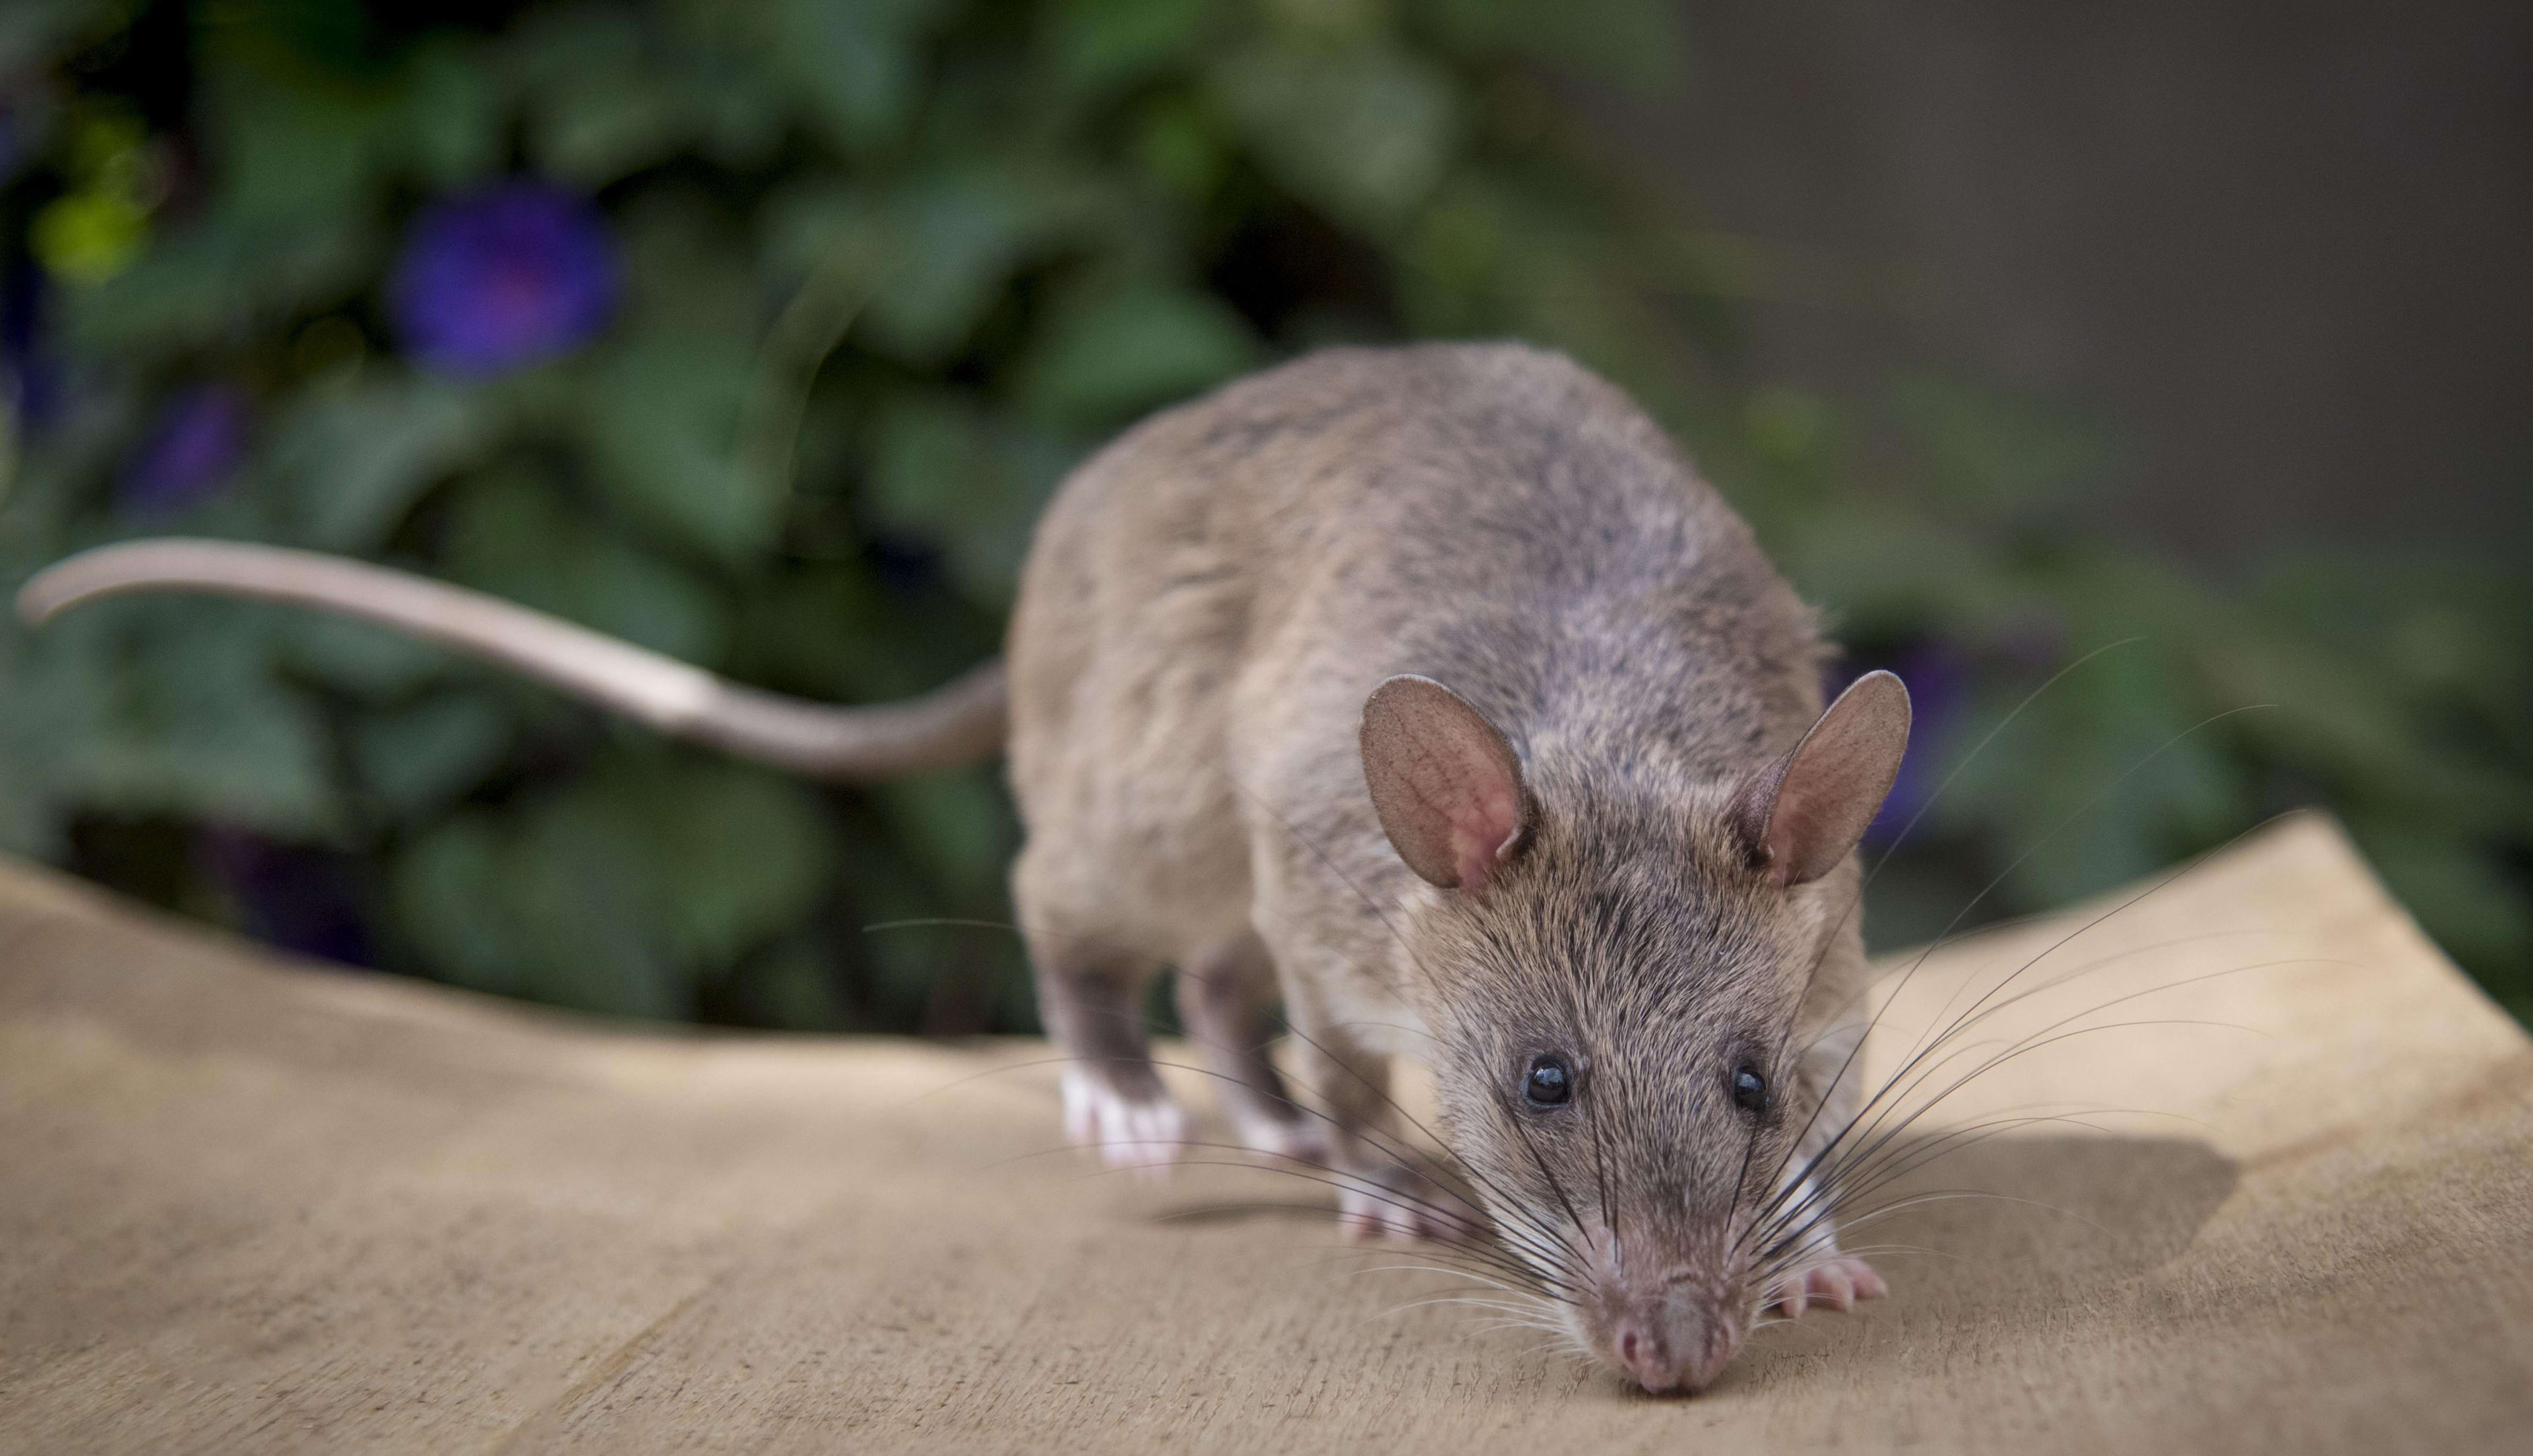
[(1431, 693)]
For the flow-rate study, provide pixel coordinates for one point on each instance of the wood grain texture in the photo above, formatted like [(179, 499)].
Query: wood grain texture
[(250, 1207)]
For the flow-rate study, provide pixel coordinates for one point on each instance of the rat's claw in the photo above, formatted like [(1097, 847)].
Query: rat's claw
[(1837, 1284), (1145, 1136)]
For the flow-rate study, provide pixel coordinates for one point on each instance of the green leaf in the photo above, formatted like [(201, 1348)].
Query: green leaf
[(823, 631), (852, 63), (451, 891), (812, 221), (793, 987), (32, 33), (510, 535), (300, 155), (1120, 353), (597, 109), (747, 852), (1885, 570), (2110, 775), (959, 825), (953, 239), (357, 656), (947, 471), (164, 705), (737, 119), (1183, 145), (453, 116), (686, 271), (2460, 895), (226, 275), (1100, 45), (292, 143), (659, 413), (621, 891), (347, 462), (1365, 133), (416, 759), (608, 95), (538, 908), (938, 248)]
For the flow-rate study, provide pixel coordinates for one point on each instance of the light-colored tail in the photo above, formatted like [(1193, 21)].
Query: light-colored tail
[(955, 724)]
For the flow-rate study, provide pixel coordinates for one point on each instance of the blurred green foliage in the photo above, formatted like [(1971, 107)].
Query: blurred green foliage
[(890, 267)]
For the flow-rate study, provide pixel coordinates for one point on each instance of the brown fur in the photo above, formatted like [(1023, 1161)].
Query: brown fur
[(1209, 603)]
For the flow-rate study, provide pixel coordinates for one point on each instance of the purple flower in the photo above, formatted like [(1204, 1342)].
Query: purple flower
[(505, 276), (192, 452)]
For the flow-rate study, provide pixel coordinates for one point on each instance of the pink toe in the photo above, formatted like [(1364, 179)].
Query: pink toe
[(1832, 1285)]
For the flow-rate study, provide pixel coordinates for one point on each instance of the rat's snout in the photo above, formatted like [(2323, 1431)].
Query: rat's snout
[(1674, 1340)]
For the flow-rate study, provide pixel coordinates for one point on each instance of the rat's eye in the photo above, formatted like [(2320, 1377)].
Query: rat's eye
[(1750, 1090), (1549, 1083)]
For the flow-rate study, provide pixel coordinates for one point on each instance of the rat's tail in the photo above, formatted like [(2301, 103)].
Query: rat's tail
[(957, 724)]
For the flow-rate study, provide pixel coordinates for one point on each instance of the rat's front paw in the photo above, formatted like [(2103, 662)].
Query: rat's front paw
[(1146, 1134), (1835, 1283)]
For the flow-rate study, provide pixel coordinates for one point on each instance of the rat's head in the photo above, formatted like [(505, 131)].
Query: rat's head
[(1621, 969)]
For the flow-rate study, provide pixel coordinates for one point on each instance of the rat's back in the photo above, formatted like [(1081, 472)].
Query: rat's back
[(1210, 599)]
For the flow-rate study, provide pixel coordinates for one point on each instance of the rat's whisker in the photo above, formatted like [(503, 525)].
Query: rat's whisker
[(1971, 757), (1372, 1192), (1410, 1160), (2086, 808), (1871, 1115), (1947, 934), (1527, 1281), (1857, 904), (1973, 1013), (2022, 1046), (1841, 1171), (1405, 1158), (1555, 1186), (1883, 1210), (1955, 1195), (1328, 862), (1840, 1189)]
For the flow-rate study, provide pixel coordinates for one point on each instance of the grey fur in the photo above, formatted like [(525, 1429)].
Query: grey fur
[(1208, 604)]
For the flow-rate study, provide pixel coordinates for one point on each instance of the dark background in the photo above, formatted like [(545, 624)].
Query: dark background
[(2279, 252)]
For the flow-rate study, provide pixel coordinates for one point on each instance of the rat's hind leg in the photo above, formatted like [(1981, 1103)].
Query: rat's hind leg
[(1090, 985), (1090, 996), (1224, 995)]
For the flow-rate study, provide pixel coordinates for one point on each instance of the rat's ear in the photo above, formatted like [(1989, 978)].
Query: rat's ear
[(1445, 782), (1802, 813)]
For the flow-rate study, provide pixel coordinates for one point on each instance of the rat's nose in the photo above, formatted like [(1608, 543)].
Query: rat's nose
[(1682, 1352), (1642, 1354)]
